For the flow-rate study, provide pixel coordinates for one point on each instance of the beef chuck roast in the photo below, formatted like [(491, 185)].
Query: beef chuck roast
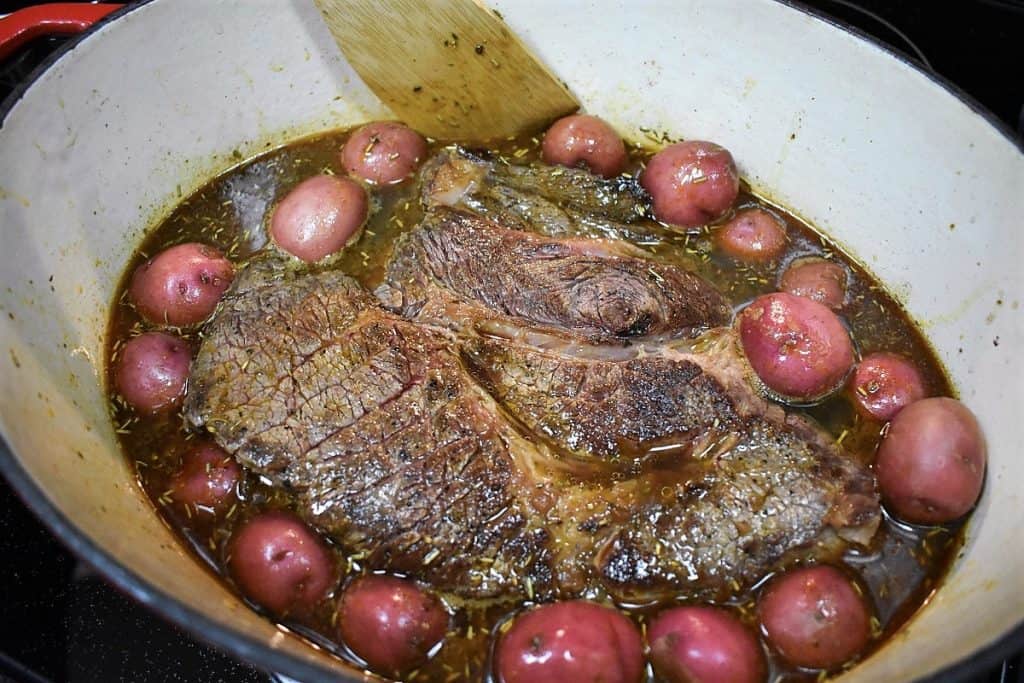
[(391, 448), (373, 424), (616, 402), (517, 413), (712, 482), (596, 289)]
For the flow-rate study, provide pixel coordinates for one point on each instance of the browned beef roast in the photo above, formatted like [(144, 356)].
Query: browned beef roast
[(455, 263), (711, 483), (616, 403), (530, 415), (372, 422), (391, 447)]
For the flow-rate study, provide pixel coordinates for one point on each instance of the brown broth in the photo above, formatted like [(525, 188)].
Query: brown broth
[(899, 574)]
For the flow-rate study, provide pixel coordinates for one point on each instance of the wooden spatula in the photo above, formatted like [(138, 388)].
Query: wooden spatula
[(451, 69)]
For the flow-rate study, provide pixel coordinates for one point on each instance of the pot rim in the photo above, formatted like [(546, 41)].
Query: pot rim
[(254, 651)]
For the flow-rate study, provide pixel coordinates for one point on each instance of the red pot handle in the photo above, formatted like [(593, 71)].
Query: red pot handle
[(57, 18)]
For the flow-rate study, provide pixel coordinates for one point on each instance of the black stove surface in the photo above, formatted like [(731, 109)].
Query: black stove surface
[(61, 622)]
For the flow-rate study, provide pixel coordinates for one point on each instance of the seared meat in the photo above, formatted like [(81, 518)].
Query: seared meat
[(529, 411), (391, 447), (714, 482), (551, 200), (371, 421), (617, 402), (597, 289), (710, 522)]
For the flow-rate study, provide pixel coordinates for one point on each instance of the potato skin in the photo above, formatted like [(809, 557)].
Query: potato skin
[(798, 347), (587, 140), (703, 644), (151, 371), (883, 384), (319, 217), (181, 285), (817, 279), (752, 236), (570, 641), (207, 476), (391, 623), (280, 563), (691, 183), (931, 463), (814, 617), (383, 153)]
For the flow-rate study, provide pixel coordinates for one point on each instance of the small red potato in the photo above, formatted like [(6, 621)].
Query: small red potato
[(691, 183), (151, 371), (931, 463), (704, 645), (280, 564), (391, 623), (383, 152), (884, 384), (570, 641), (799, 348), (587, 140), (181, 285), (753, 236), (319, 216), (207, 477), (817, 279), (814, 617)]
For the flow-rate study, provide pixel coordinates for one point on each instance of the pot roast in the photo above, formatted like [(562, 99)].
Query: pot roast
[(526, 405)]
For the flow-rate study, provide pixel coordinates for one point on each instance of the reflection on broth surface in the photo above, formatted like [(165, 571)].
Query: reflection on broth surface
[(625, 443)]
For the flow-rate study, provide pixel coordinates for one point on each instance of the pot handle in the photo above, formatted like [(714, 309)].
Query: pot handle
[(57, 18)]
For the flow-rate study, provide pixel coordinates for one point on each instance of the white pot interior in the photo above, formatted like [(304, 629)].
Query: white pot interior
[(911, 181)]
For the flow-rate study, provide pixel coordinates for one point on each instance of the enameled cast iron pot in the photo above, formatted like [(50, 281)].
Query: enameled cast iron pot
[(904, 172)]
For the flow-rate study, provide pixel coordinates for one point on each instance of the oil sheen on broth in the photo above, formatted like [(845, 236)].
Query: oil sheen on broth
[(904, 567)]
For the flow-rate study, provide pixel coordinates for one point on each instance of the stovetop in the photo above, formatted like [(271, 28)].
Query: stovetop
[(59, 621)]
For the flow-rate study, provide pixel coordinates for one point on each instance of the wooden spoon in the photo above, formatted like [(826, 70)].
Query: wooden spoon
[(451, 69)]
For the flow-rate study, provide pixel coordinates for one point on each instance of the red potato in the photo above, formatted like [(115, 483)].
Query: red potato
[(691, 183), (151, 371), (799, 348), (752, 235), (704, 645), (319, 216), (570, 641), (279, 563), (391, 623), (817, 279), (884, 384), (181, 285), (584, 139), (815, 617), (931, 463), (208, 477), (383, 152)]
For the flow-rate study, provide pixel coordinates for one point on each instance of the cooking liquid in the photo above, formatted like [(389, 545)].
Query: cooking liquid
[(905, 565)]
